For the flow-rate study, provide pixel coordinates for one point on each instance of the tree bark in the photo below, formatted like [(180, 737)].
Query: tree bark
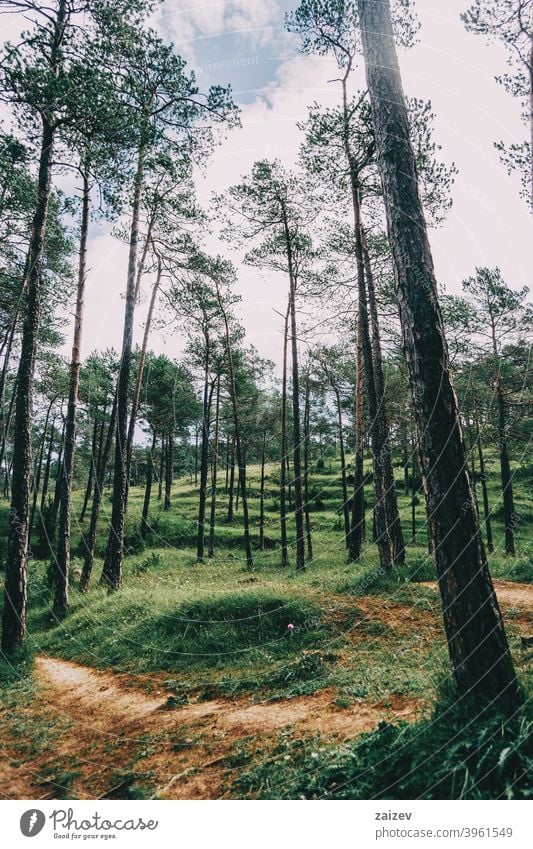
[(168, 471), (16, 578), (307, 415), (484, 491), (296, 430), (204, 453), (231, 481), (481, 661), (114, 559), (505, 470), (262, 496), (62, 560), (284, 448), (394, 526), (145, 527), (213, 505), (99, 480)]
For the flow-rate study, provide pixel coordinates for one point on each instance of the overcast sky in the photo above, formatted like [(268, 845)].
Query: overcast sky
[(244, 42)]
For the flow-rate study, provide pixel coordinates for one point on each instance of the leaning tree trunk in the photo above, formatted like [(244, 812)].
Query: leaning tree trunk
[(62, 560), (296, 431), (481, 661), (114, 559), (142, 356), (16, 579), (484, 491), (394, 527)]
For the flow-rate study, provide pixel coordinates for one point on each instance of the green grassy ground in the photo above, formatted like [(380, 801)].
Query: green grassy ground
[(216, 629)]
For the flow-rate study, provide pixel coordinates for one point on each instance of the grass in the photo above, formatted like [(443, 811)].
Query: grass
[(215, 629)]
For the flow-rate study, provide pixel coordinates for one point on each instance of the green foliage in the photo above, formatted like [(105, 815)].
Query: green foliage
[(454, 754)]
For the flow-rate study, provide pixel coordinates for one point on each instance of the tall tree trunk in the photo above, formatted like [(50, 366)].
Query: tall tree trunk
[(307, 434), (505, 470), (38, 471), (142, 357), (59, 468), (483, 478), (345, 504), (231, 481), (378, 430), (481, 661), (114, 559), (213, 505), (16, 578), (296, 432), (7, 424), (99, 480), (394, 527), (241, 461), (62, 559), (284, 448), (47, 466), (161, 469), (204, 455), (168, 470), (262, 496), (413, 493), (93, 463), (145, 527)]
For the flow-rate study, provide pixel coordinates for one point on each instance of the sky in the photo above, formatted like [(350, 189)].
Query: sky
[(244, 42)]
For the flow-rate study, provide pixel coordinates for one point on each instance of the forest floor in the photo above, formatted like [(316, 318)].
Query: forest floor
[(109, 732), (189, 684)]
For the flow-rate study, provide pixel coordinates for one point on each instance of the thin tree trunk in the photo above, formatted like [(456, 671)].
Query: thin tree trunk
[(93, 464), (296, 432), (481, 661), (231, 481), (114, 559), (213, 505), (505, 471), (483, 478), (413, 493), (7, 424), (161, 469), (62, 559), (168, 471), (394, 526), (284, 447), (142, 358), (38, 472), (345, 505), (204, 455), (307, 414), (99, 481), (262, 496), (145, 527), (241, 462), (59, 470)]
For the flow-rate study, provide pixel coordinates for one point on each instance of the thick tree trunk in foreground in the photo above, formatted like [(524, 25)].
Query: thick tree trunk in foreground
[(62, 561), (16, 579), (481, 662), (114, 559)]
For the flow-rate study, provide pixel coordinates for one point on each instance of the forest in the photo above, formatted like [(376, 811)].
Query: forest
[(233, 575)]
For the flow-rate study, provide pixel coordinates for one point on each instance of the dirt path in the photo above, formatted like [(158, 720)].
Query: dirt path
[(113, 735), (506, 591)]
